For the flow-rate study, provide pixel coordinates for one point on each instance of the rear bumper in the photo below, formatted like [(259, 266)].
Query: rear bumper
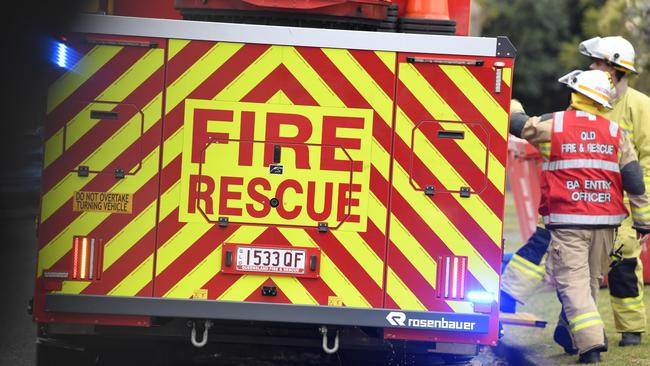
[(255, 311)]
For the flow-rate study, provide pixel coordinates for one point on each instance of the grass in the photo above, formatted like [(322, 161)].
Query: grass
[(537, 344)]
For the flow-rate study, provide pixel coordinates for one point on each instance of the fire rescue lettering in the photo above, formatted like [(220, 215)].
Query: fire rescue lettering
[(229, 146)]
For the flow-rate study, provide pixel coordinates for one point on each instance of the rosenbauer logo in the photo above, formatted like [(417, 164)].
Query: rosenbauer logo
[(275, 164), (399, 319)]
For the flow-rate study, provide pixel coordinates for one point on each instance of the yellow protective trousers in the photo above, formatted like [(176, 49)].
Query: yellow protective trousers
[(577, 260), (524, 275), (625, 280)]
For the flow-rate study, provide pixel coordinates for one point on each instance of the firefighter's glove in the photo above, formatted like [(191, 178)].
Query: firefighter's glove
[(642, 235), (516, 107), (616, 255)]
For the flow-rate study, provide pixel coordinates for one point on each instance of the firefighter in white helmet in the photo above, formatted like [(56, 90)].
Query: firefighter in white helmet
[(631, 109), (525, 272), (589, 165)]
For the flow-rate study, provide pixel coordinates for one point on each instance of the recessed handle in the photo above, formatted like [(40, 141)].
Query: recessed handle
[(456, 135), (277, 154), (103, 115)]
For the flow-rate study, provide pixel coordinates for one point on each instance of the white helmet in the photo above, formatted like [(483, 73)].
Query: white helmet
[(616, 50), (594, 84)]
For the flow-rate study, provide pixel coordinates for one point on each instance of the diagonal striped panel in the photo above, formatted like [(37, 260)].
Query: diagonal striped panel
[(133, 77), (364, 268), (279, 74)]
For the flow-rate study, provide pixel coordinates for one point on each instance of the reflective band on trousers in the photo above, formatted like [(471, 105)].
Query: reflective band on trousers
[(555, 218), (584, 321), (581, 163), (629, 302), (528, 267)]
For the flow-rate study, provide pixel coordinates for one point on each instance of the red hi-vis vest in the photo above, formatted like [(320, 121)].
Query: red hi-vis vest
[(581, 182)]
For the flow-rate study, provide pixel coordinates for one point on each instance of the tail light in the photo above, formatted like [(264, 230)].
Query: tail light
[(450, 280), (87, 255)]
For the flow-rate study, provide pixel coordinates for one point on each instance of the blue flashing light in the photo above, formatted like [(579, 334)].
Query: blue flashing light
[(480, 297), (61, 55)]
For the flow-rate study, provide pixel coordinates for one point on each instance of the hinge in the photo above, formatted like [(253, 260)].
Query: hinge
[(119, 173), (223, 222), (465, 192)]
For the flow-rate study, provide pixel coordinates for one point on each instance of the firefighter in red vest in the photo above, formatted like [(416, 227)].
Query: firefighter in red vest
[(590, 163), (615, 55)]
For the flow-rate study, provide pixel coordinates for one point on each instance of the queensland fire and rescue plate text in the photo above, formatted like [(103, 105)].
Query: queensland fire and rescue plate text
[(230, 149)]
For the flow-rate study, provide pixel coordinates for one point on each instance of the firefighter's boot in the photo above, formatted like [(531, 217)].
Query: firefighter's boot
[(592, 356), (630, 339), (562, 337), (508, 304)]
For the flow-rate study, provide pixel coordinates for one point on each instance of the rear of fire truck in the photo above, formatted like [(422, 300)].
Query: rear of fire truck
[(208, 181)]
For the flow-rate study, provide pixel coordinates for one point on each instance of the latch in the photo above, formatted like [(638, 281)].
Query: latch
[(83, 170), (228, 261), (313, 262), (322, 227), (465, 192), (269, 291), (429, 190), (119, 173)]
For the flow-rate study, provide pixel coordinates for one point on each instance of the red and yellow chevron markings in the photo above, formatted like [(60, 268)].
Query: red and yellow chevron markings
[(179, 255)]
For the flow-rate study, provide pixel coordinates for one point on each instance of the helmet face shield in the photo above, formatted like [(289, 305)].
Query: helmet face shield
[(589, 47), (571, 78)]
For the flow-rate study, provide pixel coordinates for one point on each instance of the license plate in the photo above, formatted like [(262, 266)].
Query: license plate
[(270, 260)]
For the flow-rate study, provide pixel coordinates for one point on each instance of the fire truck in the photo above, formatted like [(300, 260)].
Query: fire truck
[(207, 178)]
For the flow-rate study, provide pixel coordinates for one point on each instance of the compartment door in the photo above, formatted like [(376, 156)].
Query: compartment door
[(226, 196), (448, 180), (100, 177)]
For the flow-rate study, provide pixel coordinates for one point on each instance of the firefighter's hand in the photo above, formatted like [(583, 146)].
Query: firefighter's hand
[(516, 107), (642, 237)]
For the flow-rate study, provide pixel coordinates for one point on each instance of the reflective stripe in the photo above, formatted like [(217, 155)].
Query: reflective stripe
[(586, 115), (529, 266), (590, 90), (523, 271), (558, 122), (628, 302), (640, 212), (640, 215), (613, 128), (586, 323), (556, 218), (544, 149), (447, 277), (581, 163), (584, 320), (626, 62)]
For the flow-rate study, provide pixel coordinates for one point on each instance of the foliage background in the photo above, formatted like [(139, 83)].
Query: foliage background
[(546, 34)]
